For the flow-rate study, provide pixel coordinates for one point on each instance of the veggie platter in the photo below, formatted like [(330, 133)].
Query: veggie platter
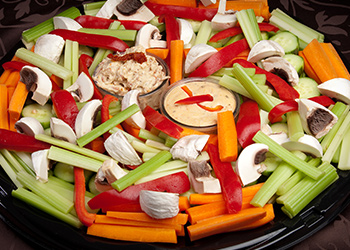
[(281, 232)]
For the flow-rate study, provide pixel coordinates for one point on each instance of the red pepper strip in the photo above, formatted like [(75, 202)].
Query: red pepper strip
[(172, 28), (275, 114), (214, 109), (173, 183), (92, 40), (79, 198), (14, 65), (65, 106), (162, 123), (195, 99), (107, 100), (283, 89), (323, 100), (198, 14), (94, 22), (248, 122), (12, 140), (85, 62), (237, 30), (231, 187), (220, 58)]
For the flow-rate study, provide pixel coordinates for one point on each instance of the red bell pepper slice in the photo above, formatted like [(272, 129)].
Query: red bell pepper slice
[(173, 183), (248, 122), (14, 65), (106, 101), (283, 89), (65, 106), (92, 40), (79, 198), (220, 58), (85, 62), (231, 187), (172, 28), (237, 30), (323, 100), (198, 14), (162, 123), (12, 140), (195, 99), (94, 22), (275, 114)]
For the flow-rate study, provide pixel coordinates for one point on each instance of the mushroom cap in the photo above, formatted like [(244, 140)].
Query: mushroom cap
[(197, 55), (337, 88), (307, 144), (85, 119), (50, 46), (279, 65), (264, 49), (62, 22), (145, 34), (29, 126), (186, 31), (61, 130), (142, 14), (188, 147), (137, 120), (223, 21), (82, 89), (41, 164)]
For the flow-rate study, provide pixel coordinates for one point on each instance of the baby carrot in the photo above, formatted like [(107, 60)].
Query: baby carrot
[(176, 60), (183, 203), (4, 122), (12, 79), (227, 136), (161, 53)]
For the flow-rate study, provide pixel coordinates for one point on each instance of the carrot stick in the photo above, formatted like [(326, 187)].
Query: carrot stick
[(183, 203), (12, 122), (57, 80), (131, 130), (185, 3), (130, 233), (224, 223), (176, 60), (97, 145), (12, 79), (317, 57), (17, 100), (308, 69), (141, 216), (4, 119), (4, 76), (161, 53), (336, 61), (270, 215), (227, 136)]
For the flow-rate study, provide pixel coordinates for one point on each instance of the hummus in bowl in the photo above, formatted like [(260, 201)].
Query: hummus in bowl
[(201, 117), (133, 69)]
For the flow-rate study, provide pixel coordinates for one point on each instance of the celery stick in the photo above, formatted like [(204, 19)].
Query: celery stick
[(234, 39), (9, 170), (295, 128), (11, 160), (295, 178), (74, 159), (24, 165), (51, 196), (147, 155), (43, 63), (336, 156), (67, 62), (72, 147), (329, 153), (258, 95), (156, 175), (156, 144), (287, 156), (142, 170), (277, 178), (94, 5), (170, 141), (141, 147), (310, 190), (125, 35), (344, 159), (145, 134), (24, 156), (36, 201), (47, 26), (104, 127), (203, 33), (248, 23), (75, 61), (259, 79), (92, 12)]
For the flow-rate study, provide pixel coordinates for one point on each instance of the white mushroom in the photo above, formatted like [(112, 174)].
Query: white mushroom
[(29, 126), (41, 164), (85, 119), (107, 9), (337, 88), (186, 32), (208, 2), (155, 43), (307, 144), (280, 137), (61, 130), (189, 147), (112, 171), (197, 55), (147, 33), (37, 82), (264, 49), (280, 66), (129, 7), (249, 164), (316, 119), (159, 205), (49, 46), (199, 174), (223, 19), (120, 149), (142, 14), (82, 89), (137, 120), (62, 22)]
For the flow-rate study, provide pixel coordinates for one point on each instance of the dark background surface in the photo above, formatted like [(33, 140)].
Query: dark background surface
[(327, 16)]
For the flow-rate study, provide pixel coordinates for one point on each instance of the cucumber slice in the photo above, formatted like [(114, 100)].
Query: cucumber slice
[(307, 87), (287, 40), (296, 61), (64, 172), (42, 113)]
